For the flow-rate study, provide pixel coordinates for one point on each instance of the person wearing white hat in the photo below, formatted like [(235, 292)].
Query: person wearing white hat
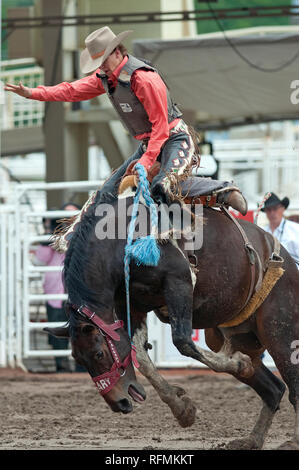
[(286, 231), (143, 103)]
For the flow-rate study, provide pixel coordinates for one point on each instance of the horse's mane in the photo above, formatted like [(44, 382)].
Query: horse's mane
[(77, 256)]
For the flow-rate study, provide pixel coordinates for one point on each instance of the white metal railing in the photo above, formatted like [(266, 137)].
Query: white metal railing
[(3, 288), (17, 274), (28, 298), (18, 111), (273, 164), (10, 319)]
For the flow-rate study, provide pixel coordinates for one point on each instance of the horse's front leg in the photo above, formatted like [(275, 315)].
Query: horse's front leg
[(180, 405), (178, 293)]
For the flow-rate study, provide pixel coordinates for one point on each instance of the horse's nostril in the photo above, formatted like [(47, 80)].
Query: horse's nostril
[(125, 405)]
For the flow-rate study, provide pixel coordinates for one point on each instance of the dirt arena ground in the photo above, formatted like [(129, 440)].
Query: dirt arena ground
[(65, 411)]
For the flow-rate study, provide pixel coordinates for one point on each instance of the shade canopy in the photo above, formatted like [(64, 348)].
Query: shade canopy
[(207, 77)]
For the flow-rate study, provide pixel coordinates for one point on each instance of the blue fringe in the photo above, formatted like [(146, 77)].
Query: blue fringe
[(145, 251)]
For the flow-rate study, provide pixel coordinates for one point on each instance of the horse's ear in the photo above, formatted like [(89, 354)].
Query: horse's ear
[(60, 332)]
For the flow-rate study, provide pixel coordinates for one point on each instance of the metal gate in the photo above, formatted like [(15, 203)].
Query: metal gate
[(17, 273), (28, 297)]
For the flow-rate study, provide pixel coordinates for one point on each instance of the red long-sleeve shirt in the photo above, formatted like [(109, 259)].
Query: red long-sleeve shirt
[(147, 86)]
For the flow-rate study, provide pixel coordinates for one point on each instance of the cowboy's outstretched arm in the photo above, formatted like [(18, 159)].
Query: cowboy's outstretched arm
[(79, 90)]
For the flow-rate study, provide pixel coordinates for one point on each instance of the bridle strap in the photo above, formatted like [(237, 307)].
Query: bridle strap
[(108, 329), (114, 352), (105, 382)]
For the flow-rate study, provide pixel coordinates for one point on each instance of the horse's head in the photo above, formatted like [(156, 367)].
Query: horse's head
[(105, 351)]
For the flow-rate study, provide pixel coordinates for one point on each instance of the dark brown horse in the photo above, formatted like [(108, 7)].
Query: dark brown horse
[(94, 276)]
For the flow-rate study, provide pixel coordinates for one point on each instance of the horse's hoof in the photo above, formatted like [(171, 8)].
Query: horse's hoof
[(289, 445), (247, 443), (187, 417), (244, 365)]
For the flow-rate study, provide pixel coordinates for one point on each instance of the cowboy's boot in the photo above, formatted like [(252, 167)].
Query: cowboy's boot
[(234, 198)]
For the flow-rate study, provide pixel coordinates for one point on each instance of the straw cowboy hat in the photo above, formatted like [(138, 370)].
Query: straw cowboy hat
[(274, 201), (99, 46)]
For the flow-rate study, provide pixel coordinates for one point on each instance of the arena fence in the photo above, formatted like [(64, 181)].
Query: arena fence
[(19, 295), (17, 273), (259, 164)]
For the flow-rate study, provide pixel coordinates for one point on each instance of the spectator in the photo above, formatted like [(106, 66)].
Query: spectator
[(286, 231), (46, 255)]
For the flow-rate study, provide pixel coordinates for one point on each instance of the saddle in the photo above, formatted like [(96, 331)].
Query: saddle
[(191, 190)]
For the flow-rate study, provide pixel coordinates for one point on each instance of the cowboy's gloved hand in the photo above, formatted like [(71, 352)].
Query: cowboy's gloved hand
[(20, 89), (135, 172)]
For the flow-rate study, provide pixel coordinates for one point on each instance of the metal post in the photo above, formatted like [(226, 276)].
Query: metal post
[(26, 307), (18, 287), (10, 295), (3, 312)]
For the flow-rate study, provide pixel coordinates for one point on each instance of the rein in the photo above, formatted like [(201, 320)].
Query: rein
[(144, 250), (105, 382)]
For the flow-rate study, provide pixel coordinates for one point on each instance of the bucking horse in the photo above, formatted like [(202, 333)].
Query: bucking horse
[(241, 287)]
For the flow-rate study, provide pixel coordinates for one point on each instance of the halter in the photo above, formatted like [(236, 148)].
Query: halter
[(105, 382)]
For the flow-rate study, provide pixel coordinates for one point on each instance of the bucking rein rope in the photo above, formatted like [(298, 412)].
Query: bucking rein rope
[(144, 250)]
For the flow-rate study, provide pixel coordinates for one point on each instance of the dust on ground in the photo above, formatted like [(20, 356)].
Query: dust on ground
[(65, 411)]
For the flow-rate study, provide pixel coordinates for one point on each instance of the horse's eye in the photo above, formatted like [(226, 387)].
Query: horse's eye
[(99, 355)]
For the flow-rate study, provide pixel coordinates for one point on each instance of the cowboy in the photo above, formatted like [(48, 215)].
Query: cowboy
[(286, 231), (144, 105)]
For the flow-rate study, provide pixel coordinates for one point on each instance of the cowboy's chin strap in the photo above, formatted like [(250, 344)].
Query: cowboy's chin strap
[(105, 382)]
